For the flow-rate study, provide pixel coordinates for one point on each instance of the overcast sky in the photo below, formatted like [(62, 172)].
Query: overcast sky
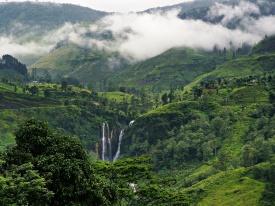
[(117, 5)]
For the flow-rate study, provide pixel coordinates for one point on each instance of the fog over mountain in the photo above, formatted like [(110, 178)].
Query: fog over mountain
[(114, 5), (171, 105), (138, 36)]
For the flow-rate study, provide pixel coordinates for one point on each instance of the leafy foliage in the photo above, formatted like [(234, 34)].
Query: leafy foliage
[(21, 185), (63, 163)]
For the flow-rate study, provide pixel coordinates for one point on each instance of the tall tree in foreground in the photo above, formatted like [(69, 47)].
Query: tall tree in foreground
[(64, 165)]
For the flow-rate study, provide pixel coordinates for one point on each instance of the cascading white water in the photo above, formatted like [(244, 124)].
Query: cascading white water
[(131, 123), (108, 143), (106, 139), (119, 144), (103, 139), (110, 148)]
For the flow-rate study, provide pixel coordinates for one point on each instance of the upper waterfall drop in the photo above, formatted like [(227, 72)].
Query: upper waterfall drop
[(103, 139), (131, 123)]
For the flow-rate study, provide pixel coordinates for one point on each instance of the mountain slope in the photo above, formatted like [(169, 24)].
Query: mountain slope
[(74, 111), (89, 66), (217, 119), (174, 68), (265, 46), (260, 61), (218, 145), (21, 17), (11, 69), (199, 10), (245, 66)]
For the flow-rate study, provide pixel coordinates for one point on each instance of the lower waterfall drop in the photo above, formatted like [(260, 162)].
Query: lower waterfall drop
[(119, 144)]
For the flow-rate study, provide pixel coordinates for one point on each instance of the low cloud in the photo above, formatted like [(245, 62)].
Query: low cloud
[(231, 12), (141, 36), (262, 26), (9, 45)]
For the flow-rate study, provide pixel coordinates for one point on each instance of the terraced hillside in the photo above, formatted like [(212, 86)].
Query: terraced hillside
[(77, 113)]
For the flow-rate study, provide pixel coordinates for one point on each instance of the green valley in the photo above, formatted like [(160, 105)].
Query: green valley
[(91, 126)]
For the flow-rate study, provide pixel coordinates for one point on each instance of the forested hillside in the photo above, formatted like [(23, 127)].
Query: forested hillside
[(89, 125), (215, 136), (22, 17), (89, 66), (11, 68)]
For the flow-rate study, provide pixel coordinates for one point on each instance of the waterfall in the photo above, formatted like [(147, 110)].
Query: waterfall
[(108, 143), (131, 123), (106, 138), (119, 144), (103, 139), (110, 147)]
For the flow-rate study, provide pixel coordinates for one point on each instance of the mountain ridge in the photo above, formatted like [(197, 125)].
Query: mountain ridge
[(43, 15)]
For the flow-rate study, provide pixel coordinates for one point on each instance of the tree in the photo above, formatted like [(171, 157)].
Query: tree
[(165, 98), (171, 96), (129, 174), (47, 77), (22, 185), (220, 127), (224, 160), (272, 97), (197, 92), (64, 164), (207, 151), (64, 85), (224, 52), (47, 93), (268, 196), (249, 155), (34, 90)]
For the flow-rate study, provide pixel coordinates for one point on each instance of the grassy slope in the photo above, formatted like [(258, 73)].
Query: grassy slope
[(67, 118), (260, 61), (116, 96), (241, 67), (230, 188), (245, 66), (212, 187), (59, 59), (173, 68), (233, 187), (85, 65), (11, 100), (82, 121)]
